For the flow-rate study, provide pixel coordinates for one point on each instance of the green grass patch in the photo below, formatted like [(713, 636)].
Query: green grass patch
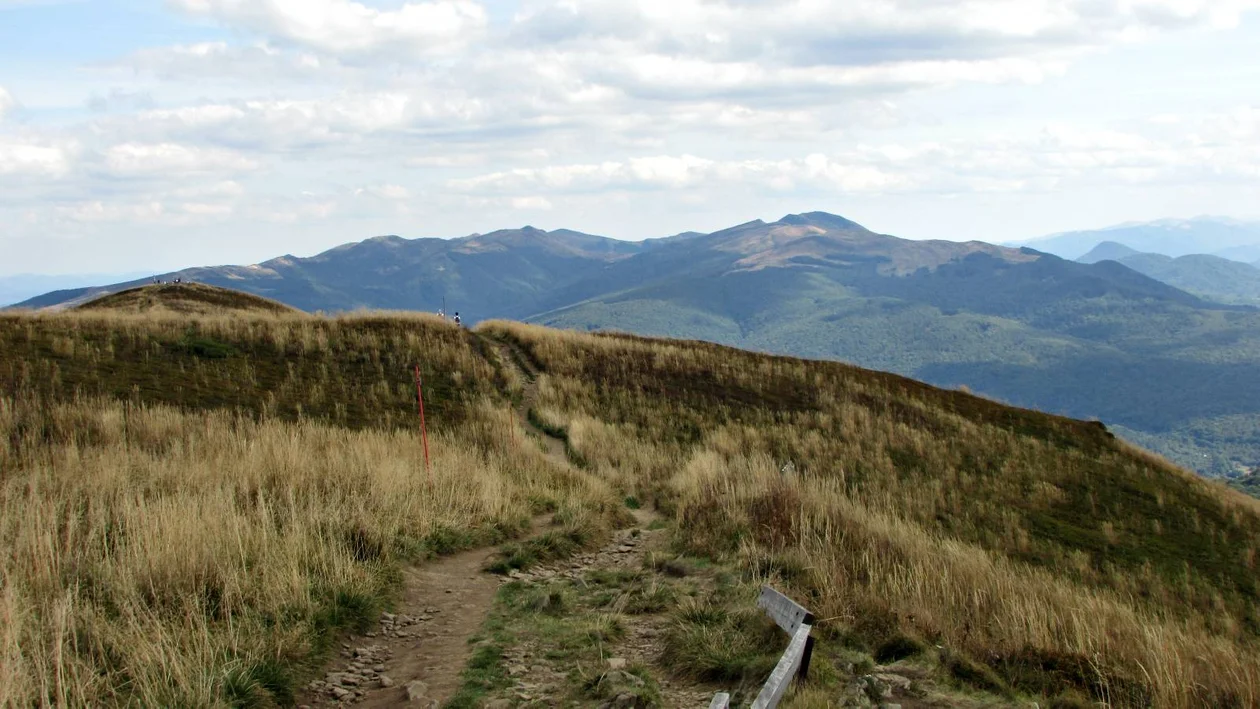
[(710, 641), (899, 647), (969, 673), (262, 683), (484, 674), (632, 688), (551, 546), (205, 347)]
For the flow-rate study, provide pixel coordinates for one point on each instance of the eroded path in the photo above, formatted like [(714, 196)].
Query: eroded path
[(589, 630), (512, 358), (415, 655)]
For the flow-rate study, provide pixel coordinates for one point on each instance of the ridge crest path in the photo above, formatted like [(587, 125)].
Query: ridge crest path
[(443, 604), (512, 358)]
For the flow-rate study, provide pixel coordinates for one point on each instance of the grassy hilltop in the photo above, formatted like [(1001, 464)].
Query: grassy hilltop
[(195, 503)]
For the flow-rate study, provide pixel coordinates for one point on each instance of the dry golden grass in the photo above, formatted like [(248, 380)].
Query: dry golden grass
[(1040, 547), (353, 370), (192, 505), (186, 299), (161, 555), (153, 553), (878, 573)]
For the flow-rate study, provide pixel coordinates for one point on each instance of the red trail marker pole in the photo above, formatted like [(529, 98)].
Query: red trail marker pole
[(424, 433)]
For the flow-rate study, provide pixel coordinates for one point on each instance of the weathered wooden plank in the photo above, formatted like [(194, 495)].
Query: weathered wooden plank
[(721, 700), (785, 612), (806, 656), (774, 688)]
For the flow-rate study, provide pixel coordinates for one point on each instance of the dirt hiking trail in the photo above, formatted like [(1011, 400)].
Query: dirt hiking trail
[(414, 657), (539, 678), (511, 357)]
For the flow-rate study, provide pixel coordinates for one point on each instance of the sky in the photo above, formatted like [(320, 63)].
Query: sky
[(156, 134)]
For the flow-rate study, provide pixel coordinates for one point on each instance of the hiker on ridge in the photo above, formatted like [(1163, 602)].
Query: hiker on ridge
[(457, 321)]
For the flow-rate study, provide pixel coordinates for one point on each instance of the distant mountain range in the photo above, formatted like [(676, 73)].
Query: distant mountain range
[(1228, 238), (1169, 369), (1211, 277), (27, 285)]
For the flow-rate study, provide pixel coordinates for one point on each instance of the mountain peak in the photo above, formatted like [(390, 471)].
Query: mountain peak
[(821, 219), (1108, 251)]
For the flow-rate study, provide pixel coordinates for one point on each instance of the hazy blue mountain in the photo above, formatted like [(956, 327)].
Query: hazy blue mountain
[(1108, 251), (1171, 237), (22, 286), (1246, 254), (1211, 277), (501, 274), (1176, 372)]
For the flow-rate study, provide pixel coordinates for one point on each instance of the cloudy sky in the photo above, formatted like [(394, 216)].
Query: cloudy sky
[(154, 134)]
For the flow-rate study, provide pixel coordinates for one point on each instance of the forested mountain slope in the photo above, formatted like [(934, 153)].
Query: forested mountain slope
[(1210, 277)]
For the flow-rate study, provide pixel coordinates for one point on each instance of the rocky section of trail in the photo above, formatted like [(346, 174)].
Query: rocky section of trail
[(625, 551), (614, 586), (414, 656)]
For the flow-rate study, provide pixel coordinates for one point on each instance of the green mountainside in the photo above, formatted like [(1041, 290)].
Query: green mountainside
[(1172, 371), (1211, 277)]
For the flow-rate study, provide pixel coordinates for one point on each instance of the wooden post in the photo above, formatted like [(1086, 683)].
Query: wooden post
[(775, 687), (806, 656), (424, 433), (721, 700), (792, 617), (785, 612)]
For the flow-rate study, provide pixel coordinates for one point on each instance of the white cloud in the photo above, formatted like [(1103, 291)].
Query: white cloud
[(666, 172), (535, 202), (6, 103), (633, 71), (390, 115), (206, 209), (393, 193), (862, 31), (221, 59), (35, 159), (1061, 155), (287, 124), (794, 48), (218, 190), (100, 211), (350, 27), (170, 159)]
